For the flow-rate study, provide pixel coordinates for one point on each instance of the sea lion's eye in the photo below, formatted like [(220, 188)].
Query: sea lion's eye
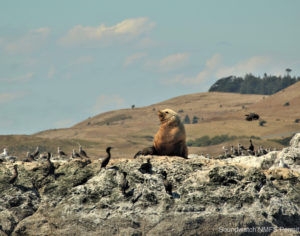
[(167, 112)]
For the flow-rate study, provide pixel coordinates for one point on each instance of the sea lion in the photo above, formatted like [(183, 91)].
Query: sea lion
[(170, 140)]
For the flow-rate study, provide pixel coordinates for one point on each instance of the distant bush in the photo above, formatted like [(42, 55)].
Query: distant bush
[(195, 120), (297, 120), (181, 111), (206, 141), (186, 120), (132, 106), (262, 122), (286, 104)]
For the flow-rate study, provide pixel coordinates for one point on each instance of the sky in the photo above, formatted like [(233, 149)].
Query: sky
[(62, 62)]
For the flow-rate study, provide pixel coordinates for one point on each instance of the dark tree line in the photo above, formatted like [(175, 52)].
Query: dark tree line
[(250, 84)]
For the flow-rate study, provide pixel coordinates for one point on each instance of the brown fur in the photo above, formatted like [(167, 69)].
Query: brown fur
[(170, 140)]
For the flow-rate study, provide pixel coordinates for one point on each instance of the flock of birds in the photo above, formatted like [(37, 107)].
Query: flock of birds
[(145, 168), (240, 150), (36, 155)]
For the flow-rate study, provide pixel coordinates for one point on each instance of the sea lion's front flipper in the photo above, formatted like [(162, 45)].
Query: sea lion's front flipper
[(146, 151)]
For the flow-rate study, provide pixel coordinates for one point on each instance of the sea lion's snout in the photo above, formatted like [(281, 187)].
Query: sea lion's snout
[(161, 115)]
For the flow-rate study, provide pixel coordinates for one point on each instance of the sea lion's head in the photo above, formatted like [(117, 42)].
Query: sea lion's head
[(167, 115)]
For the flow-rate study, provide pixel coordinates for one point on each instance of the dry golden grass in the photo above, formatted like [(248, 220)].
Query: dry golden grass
[(129, 130)]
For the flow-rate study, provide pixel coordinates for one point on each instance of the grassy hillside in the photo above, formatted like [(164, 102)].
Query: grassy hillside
[(129, 130)]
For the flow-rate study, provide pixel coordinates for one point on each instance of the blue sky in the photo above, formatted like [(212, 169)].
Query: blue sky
[(64, 61)]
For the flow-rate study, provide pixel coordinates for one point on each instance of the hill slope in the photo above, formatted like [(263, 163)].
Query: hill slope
[(129, 130)]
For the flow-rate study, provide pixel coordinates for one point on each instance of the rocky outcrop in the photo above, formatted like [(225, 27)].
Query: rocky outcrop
[(234, 196)]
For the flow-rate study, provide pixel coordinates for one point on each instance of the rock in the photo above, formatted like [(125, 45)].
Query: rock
[(295, 141), (209, 197)]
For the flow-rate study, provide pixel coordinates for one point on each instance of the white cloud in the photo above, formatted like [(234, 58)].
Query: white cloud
[(107, 102), (255, 64), (210, 68), (133, 58), (104, 35), (28, 42), (21, 78), (214, 69), (7, 97), (174, 61), (63, 123)]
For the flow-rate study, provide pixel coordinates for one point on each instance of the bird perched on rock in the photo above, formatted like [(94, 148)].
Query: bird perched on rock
[(11, 158), (14, 177), (234, 151), (29, 157), (167, 183), (226, 153), (43, 156), (262, 150), (241, 147), (75, 154), (146, 167), (60, 152), (4, 153), (82, 152), (124, 183), (50, 166), (251, 147), (106, 159), (36, 153)]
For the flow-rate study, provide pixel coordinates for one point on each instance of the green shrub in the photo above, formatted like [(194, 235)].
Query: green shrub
[(206, 141), (195, 120), (284, 141), (186, 120)]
